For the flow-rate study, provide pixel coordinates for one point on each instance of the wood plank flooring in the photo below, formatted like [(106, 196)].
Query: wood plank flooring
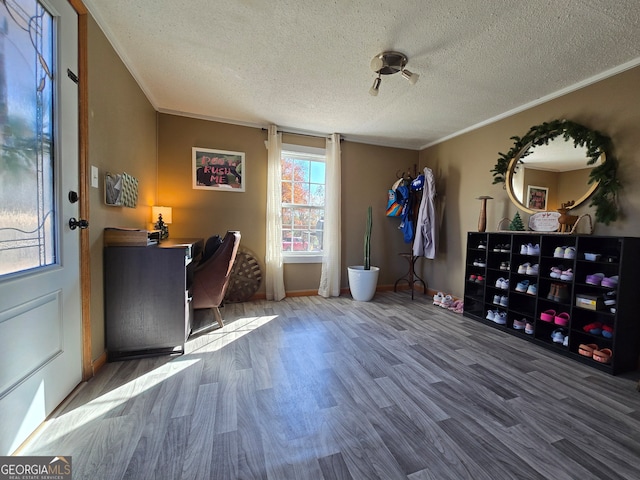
[(313, 388)]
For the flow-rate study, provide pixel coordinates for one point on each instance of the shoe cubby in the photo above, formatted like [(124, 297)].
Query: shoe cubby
[(574, 281)]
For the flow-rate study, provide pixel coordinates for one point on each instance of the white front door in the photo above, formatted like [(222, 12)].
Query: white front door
[(40, 314)]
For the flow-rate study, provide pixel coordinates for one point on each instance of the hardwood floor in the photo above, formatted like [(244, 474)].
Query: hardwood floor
[(310, 388)]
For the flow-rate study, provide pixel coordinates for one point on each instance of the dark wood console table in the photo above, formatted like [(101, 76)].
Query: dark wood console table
[(147, 297)]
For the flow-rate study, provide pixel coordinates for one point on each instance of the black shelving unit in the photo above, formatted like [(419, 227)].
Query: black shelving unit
[(496, 257)]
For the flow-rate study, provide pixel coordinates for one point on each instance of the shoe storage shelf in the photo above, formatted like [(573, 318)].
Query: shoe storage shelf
[(573, 294)]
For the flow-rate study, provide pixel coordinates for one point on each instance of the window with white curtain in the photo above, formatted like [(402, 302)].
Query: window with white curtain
[(303, 203)]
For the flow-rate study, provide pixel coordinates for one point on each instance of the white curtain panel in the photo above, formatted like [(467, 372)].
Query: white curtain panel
[(330, 277), (274, 276)]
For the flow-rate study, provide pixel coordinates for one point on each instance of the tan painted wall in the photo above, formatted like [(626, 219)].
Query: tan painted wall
[(573, 185), (368, 173), (122, 138), (463, 166)]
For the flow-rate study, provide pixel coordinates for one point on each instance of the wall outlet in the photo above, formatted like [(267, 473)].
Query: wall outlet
[(94, 176)]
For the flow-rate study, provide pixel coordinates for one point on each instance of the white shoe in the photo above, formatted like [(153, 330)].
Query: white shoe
[(533, 269), (566, 275), (447, 301), (535, 250), (437, 298), (500, 318), (570, 252)]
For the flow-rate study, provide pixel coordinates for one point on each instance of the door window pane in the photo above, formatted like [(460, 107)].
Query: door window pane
[(27, 215)]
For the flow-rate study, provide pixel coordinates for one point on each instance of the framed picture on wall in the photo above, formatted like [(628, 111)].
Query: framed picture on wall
[(219, 170), (537, 197)]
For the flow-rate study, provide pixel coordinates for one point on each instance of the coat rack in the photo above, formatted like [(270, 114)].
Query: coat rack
[(411, 277)]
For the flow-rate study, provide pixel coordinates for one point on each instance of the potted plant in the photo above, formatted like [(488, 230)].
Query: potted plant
[(363, 279)]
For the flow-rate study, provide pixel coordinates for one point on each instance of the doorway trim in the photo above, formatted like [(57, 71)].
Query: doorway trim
[(83, 183)]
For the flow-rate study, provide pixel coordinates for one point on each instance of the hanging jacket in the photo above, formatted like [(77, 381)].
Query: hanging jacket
[(424, 244)]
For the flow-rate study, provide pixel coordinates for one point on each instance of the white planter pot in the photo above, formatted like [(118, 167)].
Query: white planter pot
[(362, 283)]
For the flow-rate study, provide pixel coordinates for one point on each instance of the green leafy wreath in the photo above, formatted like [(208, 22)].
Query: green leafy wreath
[(606, 195)]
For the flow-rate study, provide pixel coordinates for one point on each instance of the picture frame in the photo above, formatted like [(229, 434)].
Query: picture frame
[(537, 198), (218, 170)]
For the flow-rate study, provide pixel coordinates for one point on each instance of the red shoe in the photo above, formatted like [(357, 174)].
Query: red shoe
[(594, 328)]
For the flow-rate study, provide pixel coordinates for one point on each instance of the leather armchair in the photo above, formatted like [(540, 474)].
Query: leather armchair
[(211, 278)]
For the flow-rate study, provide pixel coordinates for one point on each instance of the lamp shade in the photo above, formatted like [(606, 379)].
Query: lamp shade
[(164, 211)]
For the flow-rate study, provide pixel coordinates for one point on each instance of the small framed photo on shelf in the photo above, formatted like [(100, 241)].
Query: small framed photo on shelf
[(219, 170), (537, 197)]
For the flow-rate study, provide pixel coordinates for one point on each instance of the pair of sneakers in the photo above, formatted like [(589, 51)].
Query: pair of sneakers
[(501, 300), (528, 269), (559, 335), (525, 287), (565, 252), (497, 316), (530, 249), (558, 272), (523, 325), (442, 300)]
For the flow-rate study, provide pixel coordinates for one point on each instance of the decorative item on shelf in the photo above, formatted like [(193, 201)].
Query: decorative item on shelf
[(579, 221), (603, 181), (363, 279), (544, 222), (164, 218), (482, 219), (516, 224), (565, 220)]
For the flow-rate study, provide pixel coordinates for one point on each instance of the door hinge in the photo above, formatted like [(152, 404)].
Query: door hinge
[(72, 76)]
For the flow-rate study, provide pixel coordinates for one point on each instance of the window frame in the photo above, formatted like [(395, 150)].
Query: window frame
[(320, 154)]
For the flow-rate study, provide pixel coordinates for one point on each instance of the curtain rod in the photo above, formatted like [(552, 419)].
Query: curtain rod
[(302, 134)]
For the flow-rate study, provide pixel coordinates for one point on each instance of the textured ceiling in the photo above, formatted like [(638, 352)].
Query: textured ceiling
[(304, 64)]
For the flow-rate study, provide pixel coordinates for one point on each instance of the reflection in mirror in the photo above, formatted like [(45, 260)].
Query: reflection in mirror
[(560, 169)]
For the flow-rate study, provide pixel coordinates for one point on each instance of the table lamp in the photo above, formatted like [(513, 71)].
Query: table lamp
[(163, 214)]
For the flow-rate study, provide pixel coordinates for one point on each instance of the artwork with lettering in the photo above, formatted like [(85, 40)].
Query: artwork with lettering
[(218, 170)]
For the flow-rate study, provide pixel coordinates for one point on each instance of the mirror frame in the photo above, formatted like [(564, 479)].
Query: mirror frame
[(604, 176), (513, 164)]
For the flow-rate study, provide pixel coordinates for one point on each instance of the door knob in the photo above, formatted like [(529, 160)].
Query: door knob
[(73, 223)]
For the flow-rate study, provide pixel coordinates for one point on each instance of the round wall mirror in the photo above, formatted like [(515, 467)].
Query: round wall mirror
[(543, 177)]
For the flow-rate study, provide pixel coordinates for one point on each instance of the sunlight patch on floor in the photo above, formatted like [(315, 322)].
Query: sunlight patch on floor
[(221, 337)]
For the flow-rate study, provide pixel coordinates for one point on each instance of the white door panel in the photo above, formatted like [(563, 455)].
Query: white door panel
[(40, 314)]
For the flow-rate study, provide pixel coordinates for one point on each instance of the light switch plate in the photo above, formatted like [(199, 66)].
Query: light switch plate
[(94, 176)]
